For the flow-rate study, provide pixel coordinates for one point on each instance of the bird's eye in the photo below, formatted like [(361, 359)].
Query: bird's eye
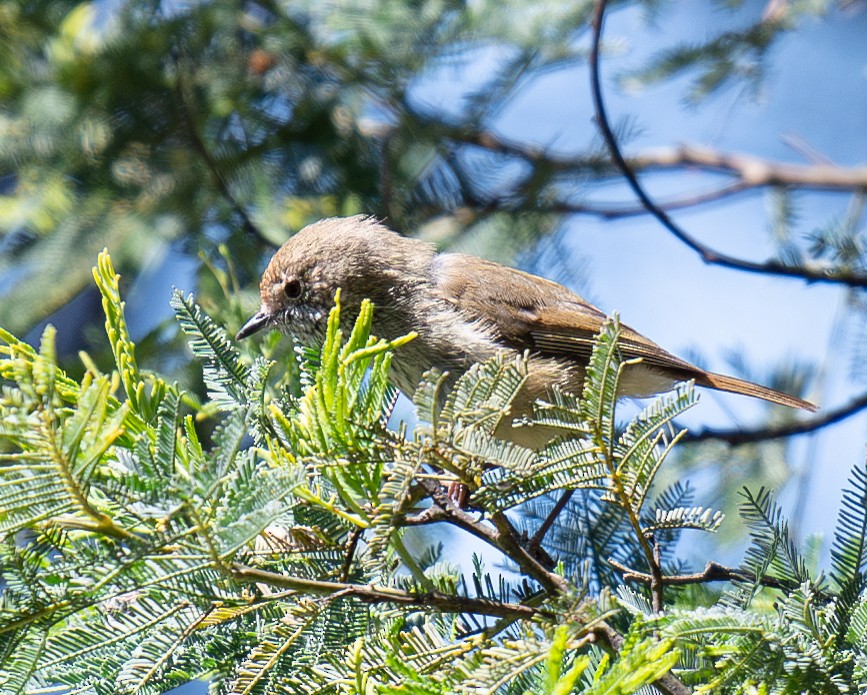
[(292, 289)]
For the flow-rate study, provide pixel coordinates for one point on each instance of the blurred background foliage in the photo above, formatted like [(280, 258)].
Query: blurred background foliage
[(192, 138)]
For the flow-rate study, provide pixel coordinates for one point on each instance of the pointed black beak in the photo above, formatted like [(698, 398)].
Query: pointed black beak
[(254, 325)]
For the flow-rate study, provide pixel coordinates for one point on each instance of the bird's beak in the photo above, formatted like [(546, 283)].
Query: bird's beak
[(254, 325)]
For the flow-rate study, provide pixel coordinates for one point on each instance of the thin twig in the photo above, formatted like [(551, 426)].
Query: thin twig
[(797, 144), (559, 506), (613, 211), (765, 434), (508, 540), (771, 267), (200, 147), (351, 545), (503, 536), (657, 583), (713, 572), (431, 600)]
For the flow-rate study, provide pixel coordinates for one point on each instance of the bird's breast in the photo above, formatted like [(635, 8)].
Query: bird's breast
[(446, 340)]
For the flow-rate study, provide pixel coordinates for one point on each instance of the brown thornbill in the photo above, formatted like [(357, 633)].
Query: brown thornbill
[(464, 310)]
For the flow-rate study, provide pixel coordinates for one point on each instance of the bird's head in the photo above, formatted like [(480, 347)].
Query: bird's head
[(358, 255)]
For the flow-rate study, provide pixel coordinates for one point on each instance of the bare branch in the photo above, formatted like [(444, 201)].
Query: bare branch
[(713, 572), (206, 156), (805, 149), (510, 544), (433, 600), (765, 434), (351, 545), (503, 536), (771, 267), (559, 506), (613, 211), (657, 584), (749, 171), (754, 171)]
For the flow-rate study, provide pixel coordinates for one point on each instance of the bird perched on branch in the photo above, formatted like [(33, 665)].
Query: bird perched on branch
[(464, 310)]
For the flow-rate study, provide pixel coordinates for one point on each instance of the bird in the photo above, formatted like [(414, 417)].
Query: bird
[(464, 310)]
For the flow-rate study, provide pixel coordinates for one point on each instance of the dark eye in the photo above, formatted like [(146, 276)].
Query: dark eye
[(292, 289)]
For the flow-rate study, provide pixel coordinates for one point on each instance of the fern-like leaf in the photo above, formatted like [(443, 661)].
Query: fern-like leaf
[(143, 402), (849, 551), (225, 374)]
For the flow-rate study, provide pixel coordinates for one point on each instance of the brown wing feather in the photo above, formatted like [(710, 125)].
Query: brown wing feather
[(530, 313)]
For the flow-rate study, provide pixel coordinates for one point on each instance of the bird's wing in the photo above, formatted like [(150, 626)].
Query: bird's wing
[(530, 313)]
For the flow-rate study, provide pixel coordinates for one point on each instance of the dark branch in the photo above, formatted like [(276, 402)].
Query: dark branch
[(657, 583), (445, 510), (613, 211), (433, 600), (765, 434), (510, 544), (206, 156), (503, 536), (713, 572), (351, 545), (559, 506), (772, 267)]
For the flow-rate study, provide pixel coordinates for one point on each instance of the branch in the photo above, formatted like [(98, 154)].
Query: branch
[(476, 206), (602, 631), (447, 603), (771, 267), (614, 211), (765, 434), (511, 546), (559, 506), (749, 171), (713, 572), (351, 545), (200, 147), (754, 171), (503, 536)]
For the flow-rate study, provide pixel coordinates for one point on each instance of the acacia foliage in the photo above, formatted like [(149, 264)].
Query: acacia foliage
[(275, 557)]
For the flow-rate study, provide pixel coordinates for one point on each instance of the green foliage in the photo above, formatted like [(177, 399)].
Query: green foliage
[(142, 402), (229, 123), (139, 552)]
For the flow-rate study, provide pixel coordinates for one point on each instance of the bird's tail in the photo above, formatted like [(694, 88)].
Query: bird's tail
[(748, 388)]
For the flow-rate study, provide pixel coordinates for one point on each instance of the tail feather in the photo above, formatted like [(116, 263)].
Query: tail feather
[(748, 388)]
